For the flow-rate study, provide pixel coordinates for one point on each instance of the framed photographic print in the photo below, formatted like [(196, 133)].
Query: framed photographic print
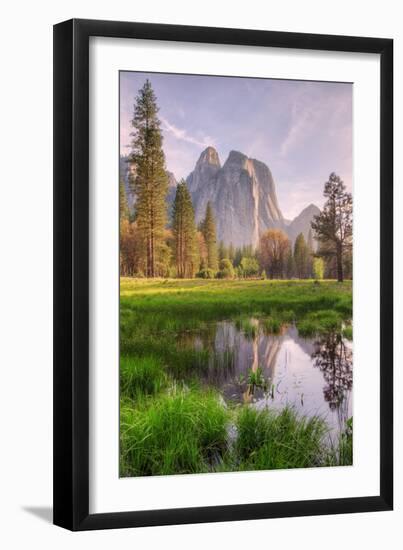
[(223, 321)]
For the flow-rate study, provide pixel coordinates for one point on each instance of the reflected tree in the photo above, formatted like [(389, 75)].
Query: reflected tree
[(335, 359)]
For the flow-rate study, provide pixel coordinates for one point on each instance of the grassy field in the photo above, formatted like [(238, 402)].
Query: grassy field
[(172, 424)]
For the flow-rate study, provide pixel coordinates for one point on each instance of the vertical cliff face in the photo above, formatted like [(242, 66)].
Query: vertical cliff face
[(124, 174), (242, 193), (202, 182)]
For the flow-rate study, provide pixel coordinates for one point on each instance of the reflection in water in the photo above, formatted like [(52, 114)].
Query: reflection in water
[(334, 358), (313, 375)]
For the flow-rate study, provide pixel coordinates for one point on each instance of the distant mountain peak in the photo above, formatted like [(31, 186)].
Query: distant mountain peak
[(302, 222), (310, 208), (242, 194), (209, 156), (236, 157)]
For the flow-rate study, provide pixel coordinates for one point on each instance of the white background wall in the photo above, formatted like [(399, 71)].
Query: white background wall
[(26, 271)]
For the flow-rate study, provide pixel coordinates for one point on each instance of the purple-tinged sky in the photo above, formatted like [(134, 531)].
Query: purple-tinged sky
[(302, 130)]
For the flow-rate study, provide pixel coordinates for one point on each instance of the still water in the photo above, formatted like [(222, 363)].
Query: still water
[(314, 375)]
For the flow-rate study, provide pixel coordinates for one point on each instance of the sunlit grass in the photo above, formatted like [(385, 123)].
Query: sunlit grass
[(141, 376), (172, 305), (178, 433), (171, 421), (269, 440)]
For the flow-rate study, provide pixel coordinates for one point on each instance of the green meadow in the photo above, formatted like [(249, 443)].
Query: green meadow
[(172, 420)]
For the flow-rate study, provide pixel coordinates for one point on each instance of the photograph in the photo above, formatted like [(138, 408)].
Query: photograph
[(236, 274)]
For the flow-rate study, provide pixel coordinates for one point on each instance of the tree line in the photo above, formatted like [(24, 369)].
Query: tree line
[(152, 245)]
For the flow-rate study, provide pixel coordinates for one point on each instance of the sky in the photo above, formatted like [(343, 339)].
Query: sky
[(301, 129)]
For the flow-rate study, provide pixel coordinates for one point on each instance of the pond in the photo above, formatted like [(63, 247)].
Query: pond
[(251, 365)]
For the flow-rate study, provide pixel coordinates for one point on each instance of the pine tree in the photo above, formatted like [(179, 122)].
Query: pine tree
[(237, 257), (231, 252), (150, 181), (333, 227), (310, 248), (289, 264), (123, 205), (221, 250), (310, 242), (185, 234), (210, 236), (301, 256)]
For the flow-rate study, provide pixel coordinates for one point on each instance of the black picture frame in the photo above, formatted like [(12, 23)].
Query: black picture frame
[(71, 274)]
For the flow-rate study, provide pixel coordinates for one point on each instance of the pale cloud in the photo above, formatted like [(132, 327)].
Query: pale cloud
[(300, 128), (311, 113), (303, 120), (180, 112), (183, 135)]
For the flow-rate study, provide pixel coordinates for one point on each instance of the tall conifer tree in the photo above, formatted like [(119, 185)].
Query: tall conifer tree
[(333, 227), (149, 181), (210, 236), (123, 205), (301, 256), (310, 247), (185, 234)]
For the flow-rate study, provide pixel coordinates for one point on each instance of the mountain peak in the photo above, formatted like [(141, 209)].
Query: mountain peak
[(311, 209), (302, 222), (236, 157), (242, 194), (209, 156)]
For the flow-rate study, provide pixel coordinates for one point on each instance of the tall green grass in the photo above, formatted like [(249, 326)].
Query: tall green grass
[(268, 440), (341, 453), (141, 376), (186, 431), (271, 325), (320, 322), (247, 326), (180, 433)]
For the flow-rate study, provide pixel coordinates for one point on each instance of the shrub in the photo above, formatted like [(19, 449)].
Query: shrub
[(206, 273), (250, 266), (226, 269), (318, 268)]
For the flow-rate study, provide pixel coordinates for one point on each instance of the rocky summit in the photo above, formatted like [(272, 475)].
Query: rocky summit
[(302, 223), (242, 193)]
